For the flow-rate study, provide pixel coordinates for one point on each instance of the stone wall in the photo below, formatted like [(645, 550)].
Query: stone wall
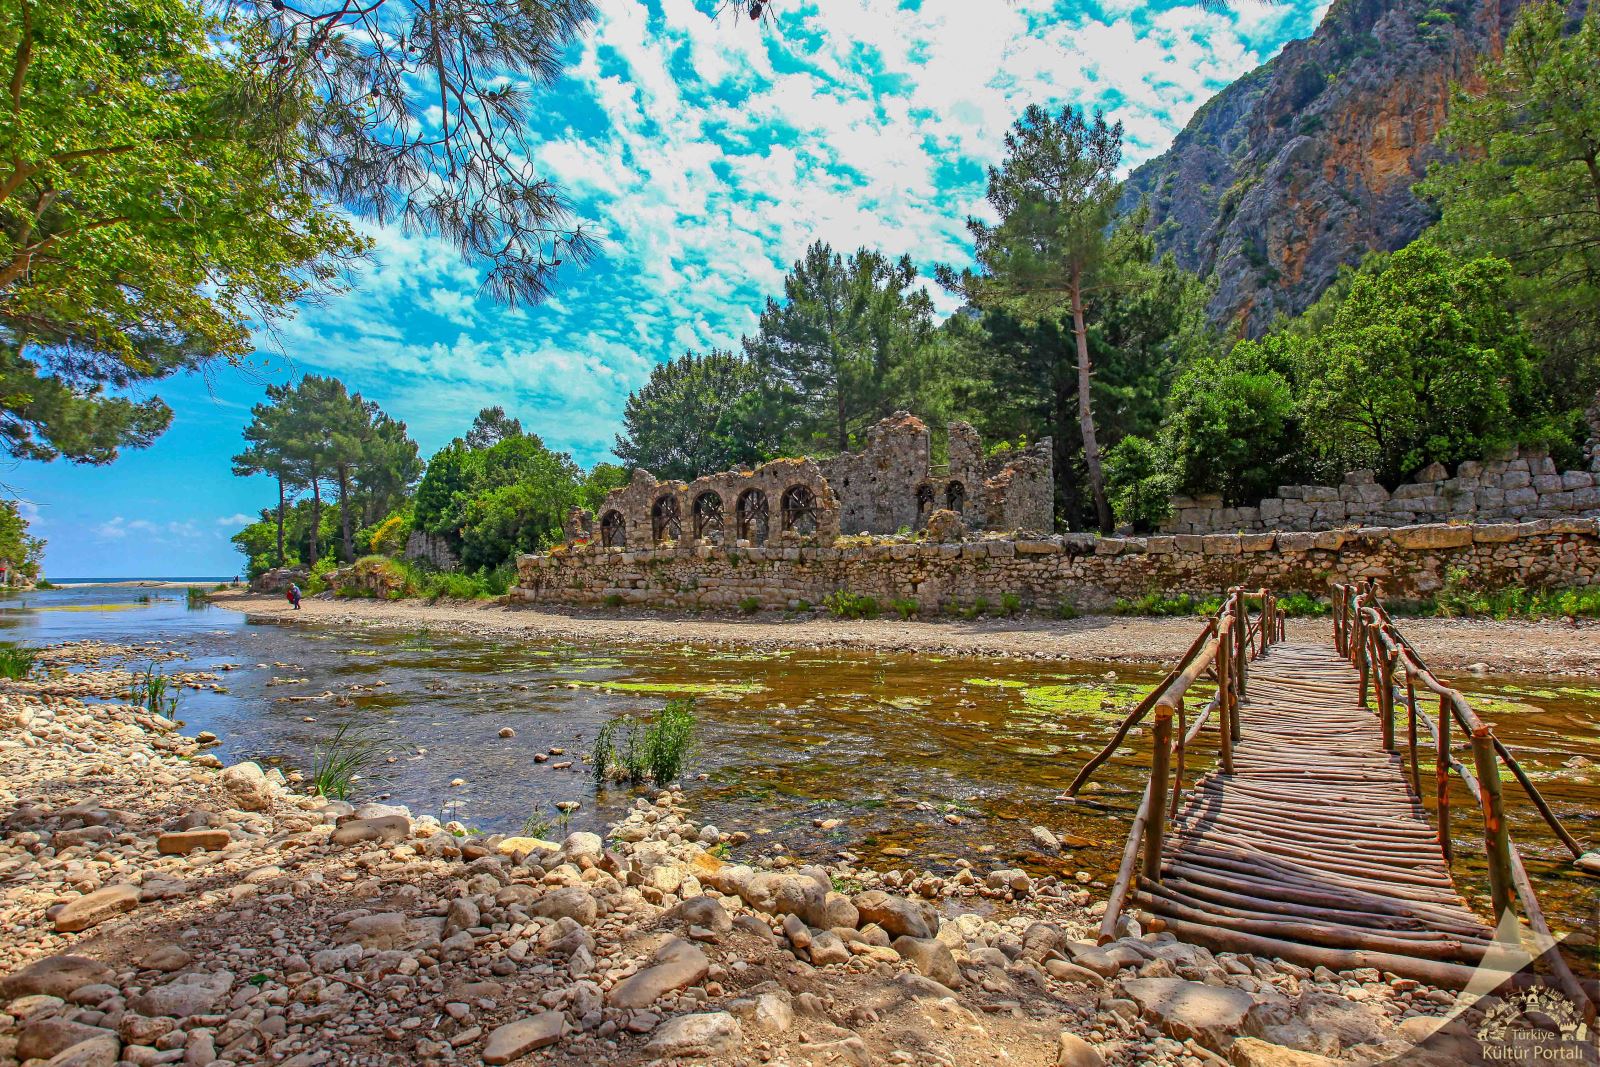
[(877, 486), (1086, 571), (432, 549), (1525, 486)]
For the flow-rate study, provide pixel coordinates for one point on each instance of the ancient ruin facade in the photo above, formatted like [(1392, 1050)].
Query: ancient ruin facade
[(890, 485), (786, 499)]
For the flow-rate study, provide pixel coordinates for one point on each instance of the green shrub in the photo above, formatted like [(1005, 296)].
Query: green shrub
[(846, 605), (16, 662), (637, 751), (904, 607), (340, 760), (750, 605), (1066, 609), (1139, 482), (613, 600), (1302, 605), (1010, 603)]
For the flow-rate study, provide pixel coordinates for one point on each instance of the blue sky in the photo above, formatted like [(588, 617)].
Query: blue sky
[(706, 154)]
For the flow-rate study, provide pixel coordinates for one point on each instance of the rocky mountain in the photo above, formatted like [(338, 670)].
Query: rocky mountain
[(1307, 163)]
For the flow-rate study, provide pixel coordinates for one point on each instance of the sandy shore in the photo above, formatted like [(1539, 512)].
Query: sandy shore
[(1449, 644)]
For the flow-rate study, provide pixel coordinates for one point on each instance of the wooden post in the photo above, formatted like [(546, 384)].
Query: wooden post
[(1442, 775), (1160, 764), (1496, 839), (1181, 736), (1225, 702), (1362, 658), (1386, 701), (1411, 734)]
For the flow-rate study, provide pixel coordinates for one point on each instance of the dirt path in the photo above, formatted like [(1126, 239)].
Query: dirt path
[(1449, 644)]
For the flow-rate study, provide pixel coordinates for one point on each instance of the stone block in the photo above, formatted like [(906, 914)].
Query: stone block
[(1576, 480), (1433, 472), (1412, 491), (1318, 493), (1432, 536), (1515, 479), (1160, 546), (1296, 542), (1547, 483), (1109, 546), (1220, 544), (1524, 497), (1257, 542), (1494, 533)]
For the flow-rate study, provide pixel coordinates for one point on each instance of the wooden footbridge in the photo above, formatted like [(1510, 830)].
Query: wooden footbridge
[(1309, 840)]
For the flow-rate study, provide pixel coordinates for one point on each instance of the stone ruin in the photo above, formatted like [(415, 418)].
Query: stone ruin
[(890, 485)]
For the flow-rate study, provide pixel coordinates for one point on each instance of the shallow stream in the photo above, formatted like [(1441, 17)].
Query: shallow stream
[(896, 760)]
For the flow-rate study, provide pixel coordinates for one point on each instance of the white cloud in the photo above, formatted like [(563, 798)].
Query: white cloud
[(725, 149), (233, 522), (112, 530)]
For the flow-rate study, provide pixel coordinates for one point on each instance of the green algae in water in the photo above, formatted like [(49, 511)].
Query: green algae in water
[(1078, 699), (995, 683), (692, 689)]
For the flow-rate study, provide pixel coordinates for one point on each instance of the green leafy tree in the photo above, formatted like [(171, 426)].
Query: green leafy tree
[(831, 354), (491, 426), (683, 423), (389, 469), (148, 217), (1056, 194), (447, 483), (19, 550), (1232, 424), (1422, 362), (519, 502), (601, 479), (268, 452), (1140, 482), (1524, 184)]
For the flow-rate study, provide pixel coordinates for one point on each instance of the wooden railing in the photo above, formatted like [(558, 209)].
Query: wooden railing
[(1393, 671), (1223, 651)]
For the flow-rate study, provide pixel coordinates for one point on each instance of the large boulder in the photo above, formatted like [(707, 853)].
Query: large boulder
[(677, 965), (186, 995), (54, 976), (93, 908), (517, 1039), (705, 1034), (897, 916), (278, 579), (248, 786), (1211, 1015), (931, 958)]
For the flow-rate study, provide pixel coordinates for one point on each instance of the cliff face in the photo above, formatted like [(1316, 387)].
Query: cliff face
[(1307, 163)]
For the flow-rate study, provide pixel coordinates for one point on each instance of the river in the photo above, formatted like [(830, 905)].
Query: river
[(896, 760)]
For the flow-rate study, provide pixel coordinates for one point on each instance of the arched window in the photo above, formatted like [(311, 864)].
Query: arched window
[(799, 510), (708, 517), (751, 516), (924, 503), (613, 530), (665, 522), (955, 496)]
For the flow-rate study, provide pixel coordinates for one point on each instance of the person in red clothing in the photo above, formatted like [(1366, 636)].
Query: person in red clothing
[(293, 595)]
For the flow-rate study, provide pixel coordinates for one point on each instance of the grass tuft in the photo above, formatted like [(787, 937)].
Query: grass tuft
[(842, 604), (153, 692), (338, 762)]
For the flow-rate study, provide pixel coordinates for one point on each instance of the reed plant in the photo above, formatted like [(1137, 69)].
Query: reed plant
[(634, 751), (340, 761), (16, 662), (154, 692)]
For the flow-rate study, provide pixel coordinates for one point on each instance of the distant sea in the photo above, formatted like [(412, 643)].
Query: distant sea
[(163, 579)]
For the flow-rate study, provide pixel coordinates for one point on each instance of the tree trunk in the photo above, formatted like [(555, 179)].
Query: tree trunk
[(1091, 447), (280, 520), (316, 519), (348, 546)]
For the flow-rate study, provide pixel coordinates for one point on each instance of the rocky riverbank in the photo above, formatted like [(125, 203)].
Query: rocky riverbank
[(160, 908), (1451, 645)]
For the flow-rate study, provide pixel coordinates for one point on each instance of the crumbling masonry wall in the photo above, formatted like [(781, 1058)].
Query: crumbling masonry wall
[(887, 486), (1080, 569), (1520, 487)]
